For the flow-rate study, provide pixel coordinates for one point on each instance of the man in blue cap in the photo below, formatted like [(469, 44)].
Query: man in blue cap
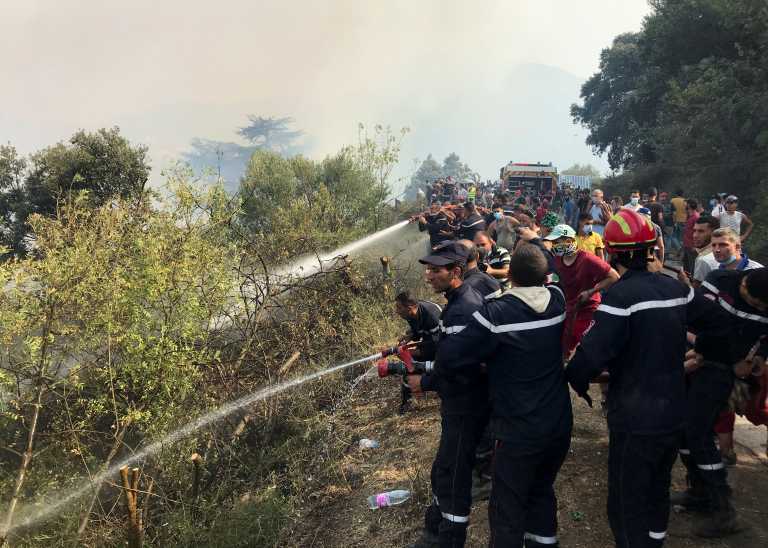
[(464, 409)]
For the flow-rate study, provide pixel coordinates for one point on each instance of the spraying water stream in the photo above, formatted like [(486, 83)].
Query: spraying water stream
[(40, 510)]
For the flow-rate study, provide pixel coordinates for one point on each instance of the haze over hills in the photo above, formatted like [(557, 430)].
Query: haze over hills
[(525, 117)]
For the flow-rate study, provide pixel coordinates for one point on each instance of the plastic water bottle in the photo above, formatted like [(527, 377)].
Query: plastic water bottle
[(390, 498), (366, 443)]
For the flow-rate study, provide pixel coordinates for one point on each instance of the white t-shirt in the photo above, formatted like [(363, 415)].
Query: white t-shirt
[(733, 221), (704, 265), (718, 210)]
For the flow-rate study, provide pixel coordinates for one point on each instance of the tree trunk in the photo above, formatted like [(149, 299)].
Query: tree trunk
[(23, 467)]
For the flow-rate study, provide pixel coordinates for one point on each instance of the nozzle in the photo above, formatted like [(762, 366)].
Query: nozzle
[(386, 368)]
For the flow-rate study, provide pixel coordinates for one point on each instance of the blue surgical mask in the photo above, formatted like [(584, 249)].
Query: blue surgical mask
[(497, 215), (726, 262), (587, 229), (634, 201)]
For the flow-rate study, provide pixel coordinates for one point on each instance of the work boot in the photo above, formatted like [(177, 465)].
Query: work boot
[(693, 499), (428, 539), (722, 521)]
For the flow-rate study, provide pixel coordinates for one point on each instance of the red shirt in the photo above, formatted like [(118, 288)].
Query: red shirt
[(688, 230), (585, 272)]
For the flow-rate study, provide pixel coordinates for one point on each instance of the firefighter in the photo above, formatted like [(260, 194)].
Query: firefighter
[(518, 335), (463, 390), (743, 296), (639, 338)]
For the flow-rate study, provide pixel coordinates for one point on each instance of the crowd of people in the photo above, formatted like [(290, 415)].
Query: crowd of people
[(547, 291)]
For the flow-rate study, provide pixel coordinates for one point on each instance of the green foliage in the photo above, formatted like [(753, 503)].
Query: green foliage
[(321, 203), (103, 164), (430, 169), (685, 101)]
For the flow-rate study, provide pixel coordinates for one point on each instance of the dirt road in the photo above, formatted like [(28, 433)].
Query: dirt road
[(340, 518)]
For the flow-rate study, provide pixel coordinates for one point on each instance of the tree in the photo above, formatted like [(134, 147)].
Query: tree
[(587, 170), (453, 167), (12, 196), (104, 164), (271, 134), (428, 171), (683, 102), (228, 161)]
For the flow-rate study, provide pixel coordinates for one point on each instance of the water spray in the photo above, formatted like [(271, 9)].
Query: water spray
[(211, 417)]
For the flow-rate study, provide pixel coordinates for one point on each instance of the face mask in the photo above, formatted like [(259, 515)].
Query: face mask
[(483, 253), (726, 262), (712, 203), (497, 215), (560, 250), (587, 229), (634, 201), (596, 200)]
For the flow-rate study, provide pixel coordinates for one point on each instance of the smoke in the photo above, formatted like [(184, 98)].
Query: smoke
[(167, 72)]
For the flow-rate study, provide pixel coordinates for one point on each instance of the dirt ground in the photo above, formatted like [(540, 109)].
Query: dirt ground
[(340, 516)]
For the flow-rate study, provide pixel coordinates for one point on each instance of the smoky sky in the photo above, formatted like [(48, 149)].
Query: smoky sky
[(166, 71)]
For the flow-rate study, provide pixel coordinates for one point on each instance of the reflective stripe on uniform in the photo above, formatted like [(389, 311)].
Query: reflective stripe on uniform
[(455, 519), (540, 539), (451, 330), (646, 305), (711, 467), (522, 326), (732, 309), (657, 536), (465, 225), (495, 295)]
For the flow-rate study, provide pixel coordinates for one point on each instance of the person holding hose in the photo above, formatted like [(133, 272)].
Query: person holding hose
[(518, 335), (463, 390)]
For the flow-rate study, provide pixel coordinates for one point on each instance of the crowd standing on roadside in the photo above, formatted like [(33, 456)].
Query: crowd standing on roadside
[(565, 288)]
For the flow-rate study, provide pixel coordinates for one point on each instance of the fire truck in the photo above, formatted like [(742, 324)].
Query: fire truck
[(534, 178)]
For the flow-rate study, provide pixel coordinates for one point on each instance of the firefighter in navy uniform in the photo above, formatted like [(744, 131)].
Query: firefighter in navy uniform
[(463, 391), (472, 223), (639, 338), (518, 335), (423, 318), (743, 296)]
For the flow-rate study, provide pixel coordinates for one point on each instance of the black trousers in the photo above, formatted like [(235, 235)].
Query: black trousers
[(639, 475), (709, 388), (523, 506), (448, 515)]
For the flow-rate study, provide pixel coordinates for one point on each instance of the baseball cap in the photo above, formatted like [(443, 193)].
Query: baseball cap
[(644, 211), (732, 198), (561, 231), (445, 254)]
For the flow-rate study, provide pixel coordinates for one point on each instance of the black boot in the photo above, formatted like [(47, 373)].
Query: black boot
[(426, 540), (696, 498), (722, 521)]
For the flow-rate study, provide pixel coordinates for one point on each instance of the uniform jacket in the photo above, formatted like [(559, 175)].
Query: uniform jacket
[(462, 385), (471, 226), (483, 283), (425, 327), (638, 336), (749, 326), (518, 336)]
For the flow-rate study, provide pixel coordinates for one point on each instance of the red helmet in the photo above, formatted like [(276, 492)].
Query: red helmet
[(628, 231)]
